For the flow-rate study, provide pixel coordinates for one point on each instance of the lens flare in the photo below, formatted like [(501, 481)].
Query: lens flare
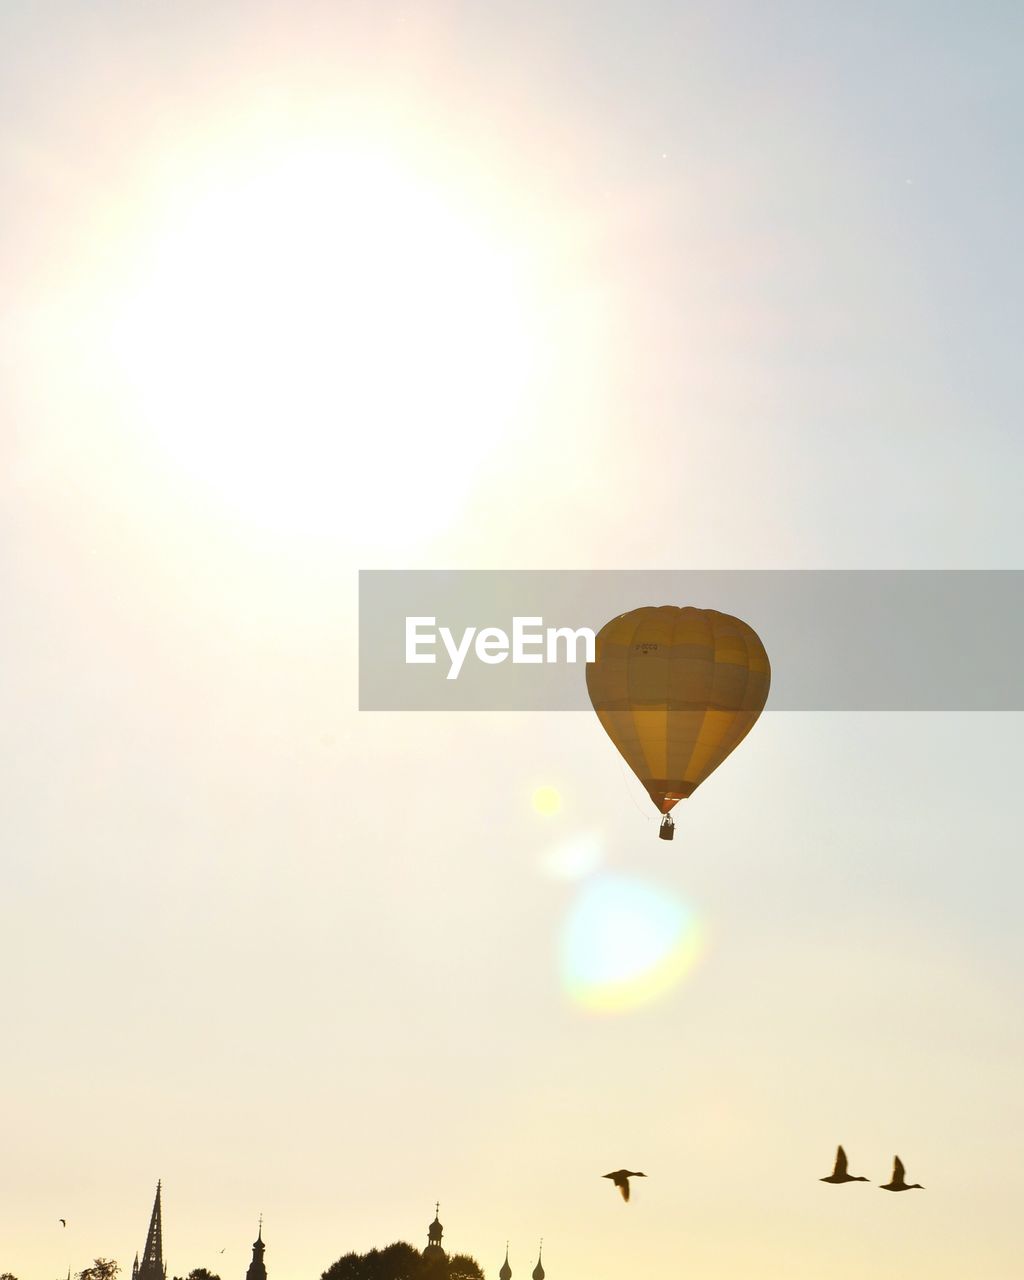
[(546, 801), (574, 858), (626, 942)]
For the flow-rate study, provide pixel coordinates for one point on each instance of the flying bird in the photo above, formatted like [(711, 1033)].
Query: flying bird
[(62, 1222), (621, 1179), (899, 1182), (839, 1173)]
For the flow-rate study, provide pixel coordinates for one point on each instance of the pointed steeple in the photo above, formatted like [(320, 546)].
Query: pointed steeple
[(506, 1271), (152, 1265), (538, 1271), (257, 1269)]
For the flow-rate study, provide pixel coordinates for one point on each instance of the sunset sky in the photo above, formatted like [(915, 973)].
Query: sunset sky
[(291, 290)]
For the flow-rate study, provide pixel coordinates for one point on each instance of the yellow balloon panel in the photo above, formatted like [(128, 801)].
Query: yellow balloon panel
[(677, 689)]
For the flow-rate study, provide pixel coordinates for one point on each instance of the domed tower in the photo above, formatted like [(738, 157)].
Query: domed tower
[(506, 1271), (434, 1233), (257, 1268), (538, 1271)]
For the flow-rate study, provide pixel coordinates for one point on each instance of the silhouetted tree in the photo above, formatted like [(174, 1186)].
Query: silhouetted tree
[(464, 1267), (6, 1275), (199, 1273), (400, 1261), (101, 1269), (348, 1267)]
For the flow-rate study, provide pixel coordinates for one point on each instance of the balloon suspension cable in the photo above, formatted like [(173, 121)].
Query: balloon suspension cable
[(629, 788)]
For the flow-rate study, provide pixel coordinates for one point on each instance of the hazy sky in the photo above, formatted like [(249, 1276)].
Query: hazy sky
[(291, 290)]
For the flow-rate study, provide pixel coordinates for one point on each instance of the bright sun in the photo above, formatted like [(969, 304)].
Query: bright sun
[(325, 344)]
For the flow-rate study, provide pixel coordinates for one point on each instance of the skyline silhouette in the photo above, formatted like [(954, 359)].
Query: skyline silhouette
[(397, 1261)]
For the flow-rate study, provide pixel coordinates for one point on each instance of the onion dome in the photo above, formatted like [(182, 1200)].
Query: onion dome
[(257, 1268), (435, 1231), (506, 1271), (538, 1271)]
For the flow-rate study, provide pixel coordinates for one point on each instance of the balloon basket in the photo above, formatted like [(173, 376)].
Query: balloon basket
[(668, 828)]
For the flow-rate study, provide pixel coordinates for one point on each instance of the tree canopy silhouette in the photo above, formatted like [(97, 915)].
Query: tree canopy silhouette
[(101, 1269), (401, 1261), (464, 1266)]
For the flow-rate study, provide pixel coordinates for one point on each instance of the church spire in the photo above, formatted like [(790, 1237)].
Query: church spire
[(257, 1269), (506, 1271), (538, 1271), (152, 1265), (434, 1233)]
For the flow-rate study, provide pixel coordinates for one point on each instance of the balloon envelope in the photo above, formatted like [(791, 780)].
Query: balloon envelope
[(676, 690)]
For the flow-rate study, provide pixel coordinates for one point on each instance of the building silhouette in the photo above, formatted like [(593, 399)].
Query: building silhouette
[(434, 1233), (257, 1268), (152, 1266), (538, 1272)]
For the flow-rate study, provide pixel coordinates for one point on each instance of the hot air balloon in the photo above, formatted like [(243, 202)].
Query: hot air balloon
[(677, 689)]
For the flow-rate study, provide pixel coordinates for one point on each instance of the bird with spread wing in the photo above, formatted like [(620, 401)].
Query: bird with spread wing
[(839, 1173), (899, 1181), (621, 1179)]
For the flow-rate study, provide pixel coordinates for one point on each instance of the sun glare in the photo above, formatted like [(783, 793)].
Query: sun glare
[(325, 343)]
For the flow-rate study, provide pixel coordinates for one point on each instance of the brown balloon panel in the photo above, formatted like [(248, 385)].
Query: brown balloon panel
[(677, 689)]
